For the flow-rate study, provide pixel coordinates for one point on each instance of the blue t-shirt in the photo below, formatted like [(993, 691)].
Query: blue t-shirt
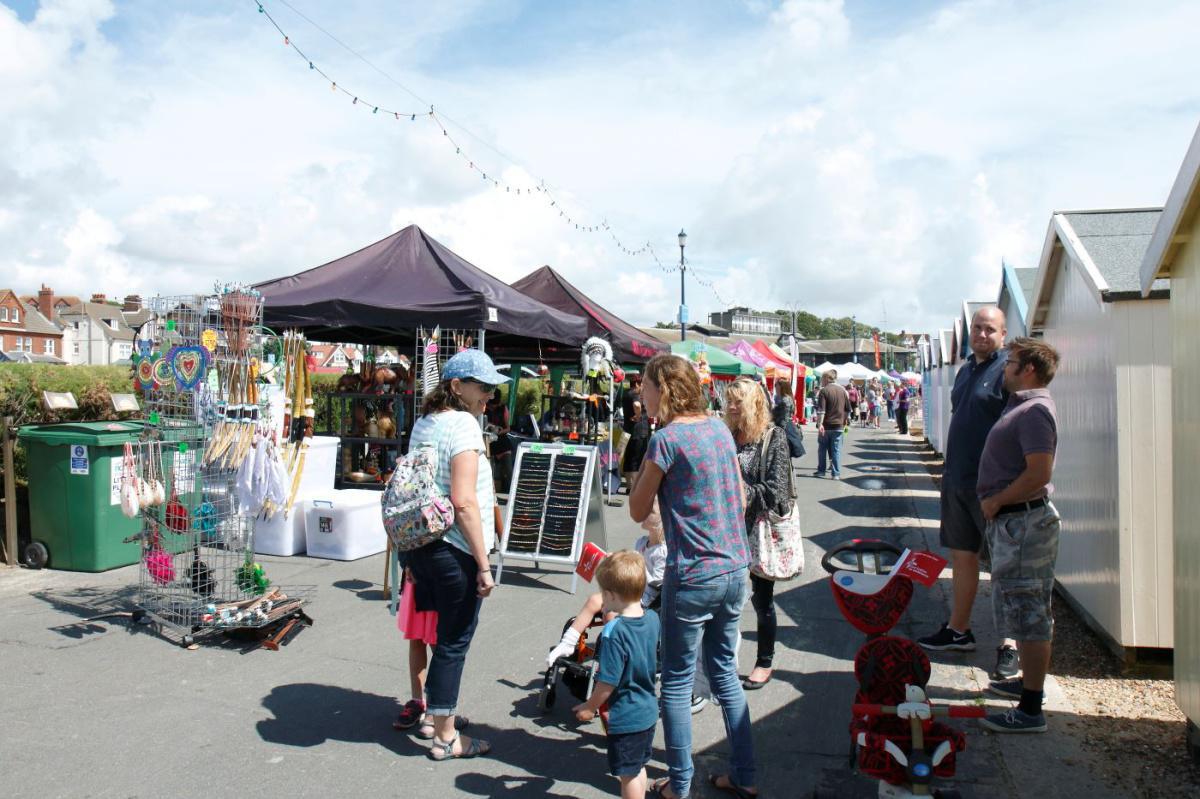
[(976, 402), (700, 499), (628, 648)]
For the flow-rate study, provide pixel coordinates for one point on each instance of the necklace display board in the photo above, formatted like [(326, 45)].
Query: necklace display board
[(554, 506)]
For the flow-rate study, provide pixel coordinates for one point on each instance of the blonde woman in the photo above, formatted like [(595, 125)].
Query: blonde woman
[(767, 489), (691, 467)]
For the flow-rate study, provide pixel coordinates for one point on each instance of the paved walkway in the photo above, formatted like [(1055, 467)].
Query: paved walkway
[(101, 710)]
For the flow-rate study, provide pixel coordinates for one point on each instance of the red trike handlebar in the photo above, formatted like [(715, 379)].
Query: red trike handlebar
[(953, 711)]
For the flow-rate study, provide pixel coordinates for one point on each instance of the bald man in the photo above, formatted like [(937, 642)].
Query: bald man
[(976, 402)]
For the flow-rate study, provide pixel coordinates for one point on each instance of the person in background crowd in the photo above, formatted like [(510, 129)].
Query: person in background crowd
[(629, 396), (691, 467), (873, 404), (853, 394), (1022, 527), (501, 449), (902, 409), (833, 415), (976, 401), (891, 401)]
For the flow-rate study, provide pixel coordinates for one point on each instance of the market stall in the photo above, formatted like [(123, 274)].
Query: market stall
[(411, 292)]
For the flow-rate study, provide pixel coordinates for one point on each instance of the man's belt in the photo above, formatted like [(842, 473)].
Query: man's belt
[(1022, 507)]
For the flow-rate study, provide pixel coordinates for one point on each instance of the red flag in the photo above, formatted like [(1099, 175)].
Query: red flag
[(876, 337), (589, 560), (922, 567)]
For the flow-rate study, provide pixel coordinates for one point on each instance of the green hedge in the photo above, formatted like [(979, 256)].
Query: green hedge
[(22, 384)]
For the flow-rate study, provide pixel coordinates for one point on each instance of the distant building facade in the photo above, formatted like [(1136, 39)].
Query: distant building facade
[(748, 322)]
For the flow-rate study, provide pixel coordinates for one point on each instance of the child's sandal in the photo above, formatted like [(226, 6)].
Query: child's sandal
[(410, 715), (425, 731), (445, 751)]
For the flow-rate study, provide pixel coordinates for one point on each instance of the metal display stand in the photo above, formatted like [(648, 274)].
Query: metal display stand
[(555, 506), (197, 364)]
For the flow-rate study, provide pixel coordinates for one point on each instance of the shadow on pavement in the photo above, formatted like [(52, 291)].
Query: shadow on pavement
[(889, 507), (363, 589), (309, 714)]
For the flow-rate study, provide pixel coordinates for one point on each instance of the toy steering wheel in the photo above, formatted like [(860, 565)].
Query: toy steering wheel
[(861, 550)]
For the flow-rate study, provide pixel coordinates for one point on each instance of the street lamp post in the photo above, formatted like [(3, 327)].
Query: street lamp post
[(682, 300), (854, 336)]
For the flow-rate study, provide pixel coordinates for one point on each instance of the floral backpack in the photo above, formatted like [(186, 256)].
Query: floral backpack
[(415, 511)]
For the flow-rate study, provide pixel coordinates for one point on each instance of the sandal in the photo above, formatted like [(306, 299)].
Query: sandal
[(425, 731), (410, 715), (659, 786), (445, 751), (729, 787)]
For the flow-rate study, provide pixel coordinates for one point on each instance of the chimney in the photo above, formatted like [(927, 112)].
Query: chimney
[(46, 302), (133, 303), (99, 298)]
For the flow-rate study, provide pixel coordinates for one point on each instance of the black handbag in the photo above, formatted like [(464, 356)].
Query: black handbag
[(795, 439)]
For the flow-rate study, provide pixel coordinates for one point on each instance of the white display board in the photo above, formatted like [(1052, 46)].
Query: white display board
[(555, 506)]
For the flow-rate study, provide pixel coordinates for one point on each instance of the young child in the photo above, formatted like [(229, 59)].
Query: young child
[(628, 650), (653, 549), (419, 628)]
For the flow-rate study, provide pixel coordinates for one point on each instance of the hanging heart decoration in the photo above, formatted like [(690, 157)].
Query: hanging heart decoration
[(145, 373), (145, 347), (162, 371), (188, 364)]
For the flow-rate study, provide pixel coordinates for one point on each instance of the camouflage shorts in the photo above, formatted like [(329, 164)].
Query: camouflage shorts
[(1024, 548)]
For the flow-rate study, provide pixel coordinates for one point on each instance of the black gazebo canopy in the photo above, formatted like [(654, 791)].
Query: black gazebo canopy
[(382, 293), (629, 344)]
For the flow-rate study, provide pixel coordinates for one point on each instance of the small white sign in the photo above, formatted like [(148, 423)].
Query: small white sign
[(116, 474), (183, 469), (493, 315), (79, 459)]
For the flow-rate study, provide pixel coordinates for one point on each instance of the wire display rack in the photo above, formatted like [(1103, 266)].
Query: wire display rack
[(196, 363)]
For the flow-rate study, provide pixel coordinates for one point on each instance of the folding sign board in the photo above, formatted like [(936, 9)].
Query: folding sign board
[(555, 506)]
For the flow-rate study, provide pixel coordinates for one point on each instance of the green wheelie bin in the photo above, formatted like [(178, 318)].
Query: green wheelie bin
[(75, 514)]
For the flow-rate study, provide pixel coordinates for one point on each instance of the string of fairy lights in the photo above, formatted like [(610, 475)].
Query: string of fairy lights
[(536, 190)]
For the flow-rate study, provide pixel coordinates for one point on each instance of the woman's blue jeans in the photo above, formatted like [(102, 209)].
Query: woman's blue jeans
[(703, 615), (451, 572)]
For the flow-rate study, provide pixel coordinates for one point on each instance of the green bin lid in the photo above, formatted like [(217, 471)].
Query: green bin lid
[(99, 434)]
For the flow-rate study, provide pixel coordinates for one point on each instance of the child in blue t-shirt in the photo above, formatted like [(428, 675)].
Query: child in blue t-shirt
[(628, 648)]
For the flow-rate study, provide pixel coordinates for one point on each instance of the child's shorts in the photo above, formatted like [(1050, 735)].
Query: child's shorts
[(629, 752)]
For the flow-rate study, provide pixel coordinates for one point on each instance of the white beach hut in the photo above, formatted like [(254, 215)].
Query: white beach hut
[(1174, 253), (1112, 473)]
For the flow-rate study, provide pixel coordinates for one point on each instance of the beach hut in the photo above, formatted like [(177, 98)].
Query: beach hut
[(1016, 291), (1174, 253), (1114, 422)]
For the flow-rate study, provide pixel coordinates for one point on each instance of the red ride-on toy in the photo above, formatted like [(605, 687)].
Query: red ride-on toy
[(894, 736)]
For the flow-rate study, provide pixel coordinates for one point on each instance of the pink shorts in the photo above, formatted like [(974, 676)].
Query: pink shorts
[(417, 625)]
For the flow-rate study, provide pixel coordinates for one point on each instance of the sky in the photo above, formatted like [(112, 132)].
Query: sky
[(875, 158)]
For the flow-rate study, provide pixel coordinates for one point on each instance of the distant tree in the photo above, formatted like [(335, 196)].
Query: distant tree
[(664, 325)]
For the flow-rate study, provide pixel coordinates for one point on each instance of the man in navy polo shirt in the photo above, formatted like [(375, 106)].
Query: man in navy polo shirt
[(976, 402)]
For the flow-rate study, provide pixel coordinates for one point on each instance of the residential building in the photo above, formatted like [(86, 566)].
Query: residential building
[(98, 332), (24, 331)]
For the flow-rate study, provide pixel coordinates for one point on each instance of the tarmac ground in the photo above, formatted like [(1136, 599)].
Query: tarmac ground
[(110, 709)]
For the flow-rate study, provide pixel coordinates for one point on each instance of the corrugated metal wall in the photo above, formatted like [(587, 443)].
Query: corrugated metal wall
[(1142, 344), (1086, 472), (1185, 322)]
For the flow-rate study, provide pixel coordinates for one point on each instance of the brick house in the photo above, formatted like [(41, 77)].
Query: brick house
[(98, 332), (26, 334)]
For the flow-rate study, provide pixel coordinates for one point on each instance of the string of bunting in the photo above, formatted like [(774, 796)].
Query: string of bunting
[(430, 114)]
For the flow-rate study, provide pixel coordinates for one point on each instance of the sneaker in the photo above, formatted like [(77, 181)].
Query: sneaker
[(1008, 663), (1009, 689), (818, 474), (410, 714), (836, 477), (1014, 721), (946, 639), (698, 703)]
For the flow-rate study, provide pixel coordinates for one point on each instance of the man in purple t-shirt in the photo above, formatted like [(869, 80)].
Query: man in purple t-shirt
[(1022, 527)]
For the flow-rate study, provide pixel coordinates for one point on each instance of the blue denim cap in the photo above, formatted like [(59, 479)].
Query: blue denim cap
[(473, 364)]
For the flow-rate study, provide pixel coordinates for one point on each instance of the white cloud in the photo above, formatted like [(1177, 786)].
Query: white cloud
[(809, 158)]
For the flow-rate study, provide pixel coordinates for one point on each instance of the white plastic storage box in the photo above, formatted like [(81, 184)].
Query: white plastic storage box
[(344, 525), (282, 534), (320, 461)]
